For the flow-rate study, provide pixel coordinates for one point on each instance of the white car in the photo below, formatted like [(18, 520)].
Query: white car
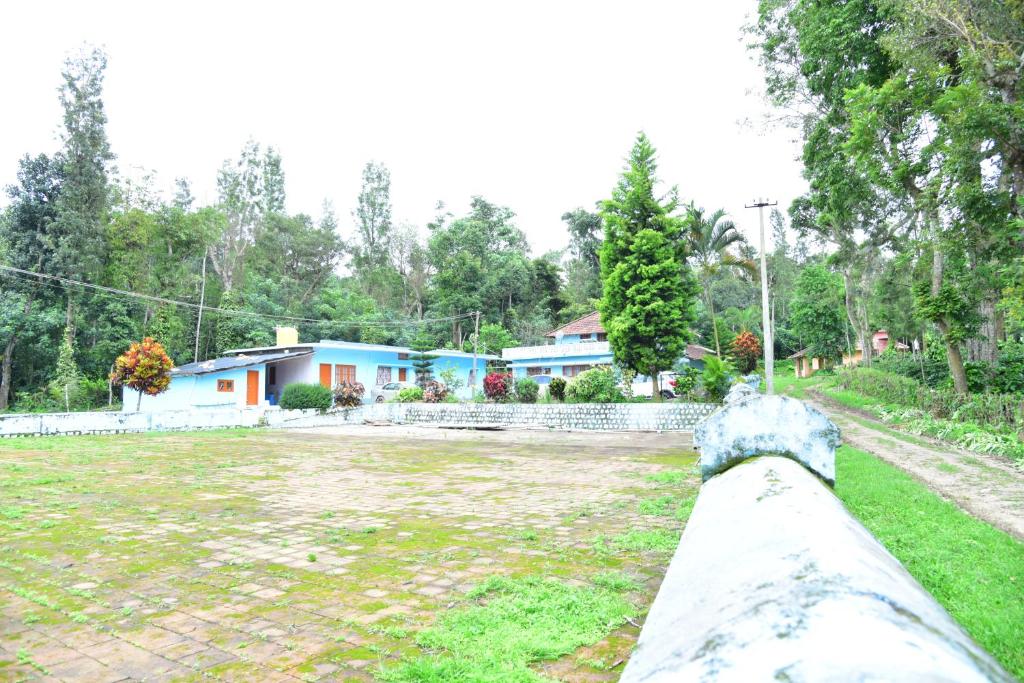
[(643, 386), (385, 392)]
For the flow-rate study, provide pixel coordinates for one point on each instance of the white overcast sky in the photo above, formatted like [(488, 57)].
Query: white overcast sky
[(533, 105)]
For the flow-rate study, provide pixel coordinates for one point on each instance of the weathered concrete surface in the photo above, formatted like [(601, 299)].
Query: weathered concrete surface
[(752, 424), (774, 580)]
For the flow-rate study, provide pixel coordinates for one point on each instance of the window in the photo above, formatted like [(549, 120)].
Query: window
[(602, 336), (530, 372), (573, 370), (403, 356), (344, 374), (383, 375), (225, 385), (586, 337), (272, 374)]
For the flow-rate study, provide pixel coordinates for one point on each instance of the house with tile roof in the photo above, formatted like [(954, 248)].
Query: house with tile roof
[(577, 346)]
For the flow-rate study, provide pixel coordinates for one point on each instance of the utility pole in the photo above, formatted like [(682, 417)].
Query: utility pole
[(202, 300), (769, 348), (476, 340)]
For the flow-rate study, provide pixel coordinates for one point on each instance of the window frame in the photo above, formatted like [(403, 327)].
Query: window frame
[(225, 386)]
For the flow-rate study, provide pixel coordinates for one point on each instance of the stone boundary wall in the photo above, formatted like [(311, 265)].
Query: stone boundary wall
[(583, 416)]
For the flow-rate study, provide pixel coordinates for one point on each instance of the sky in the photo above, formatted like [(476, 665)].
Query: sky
[(533, 105)]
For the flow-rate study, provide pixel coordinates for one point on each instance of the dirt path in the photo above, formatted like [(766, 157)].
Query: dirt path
[(986, 486)]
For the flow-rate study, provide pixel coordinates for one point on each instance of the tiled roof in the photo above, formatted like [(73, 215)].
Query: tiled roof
[(697, 352), (588, 324)]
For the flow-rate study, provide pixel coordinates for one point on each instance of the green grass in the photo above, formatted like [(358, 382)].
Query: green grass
[(974, 570), (511, 623)]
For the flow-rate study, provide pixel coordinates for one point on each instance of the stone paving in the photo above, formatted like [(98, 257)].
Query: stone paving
[(264, 556)]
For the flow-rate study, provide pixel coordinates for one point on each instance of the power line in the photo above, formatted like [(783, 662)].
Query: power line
[(56, 280)]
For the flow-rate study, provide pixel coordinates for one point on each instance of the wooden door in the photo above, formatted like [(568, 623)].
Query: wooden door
[(252, 387), (401, 374), (325, 375)]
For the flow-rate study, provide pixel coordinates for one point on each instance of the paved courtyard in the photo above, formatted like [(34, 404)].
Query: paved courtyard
[(269, 555)]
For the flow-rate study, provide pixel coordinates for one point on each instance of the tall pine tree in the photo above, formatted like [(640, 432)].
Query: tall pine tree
[(649, 291)]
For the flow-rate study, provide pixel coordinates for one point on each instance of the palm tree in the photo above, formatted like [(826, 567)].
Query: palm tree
[(709, 239)]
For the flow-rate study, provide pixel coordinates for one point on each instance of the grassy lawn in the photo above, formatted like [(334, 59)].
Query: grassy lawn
[(257, 555), (975, 571)]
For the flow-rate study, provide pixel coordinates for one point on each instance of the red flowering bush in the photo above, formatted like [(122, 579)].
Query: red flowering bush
[(349, 394), (746, 349), (498, 386), (144, 367)]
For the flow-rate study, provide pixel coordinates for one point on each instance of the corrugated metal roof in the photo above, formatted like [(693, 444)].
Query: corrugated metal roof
[(231, 362)]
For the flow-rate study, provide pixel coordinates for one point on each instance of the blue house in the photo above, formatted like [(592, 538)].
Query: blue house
[(256, 377), (577, 346)]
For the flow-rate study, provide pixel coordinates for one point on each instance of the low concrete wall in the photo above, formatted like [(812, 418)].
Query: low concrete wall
[(586, 416), (45, 424), (583, 416)]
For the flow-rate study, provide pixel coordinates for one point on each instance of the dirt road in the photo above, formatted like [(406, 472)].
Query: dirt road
[(987, 486)]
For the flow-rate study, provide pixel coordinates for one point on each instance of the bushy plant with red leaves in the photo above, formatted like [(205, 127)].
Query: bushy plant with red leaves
[(144, 367), (434, 392), (746, 349), (498, 386), (349, 394)]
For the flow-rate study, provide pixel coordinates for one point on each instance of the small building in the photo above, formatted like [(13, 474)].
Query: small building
[(577, 346), (879, 343), (256, 377), (806, 365)]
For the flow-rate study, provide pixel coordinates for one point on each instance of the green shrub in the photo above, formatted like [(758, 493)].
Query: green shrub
[(930, 371), (304, 396), (556, 389), (596, 385), (998, 410), (349, 394), (716, 377), (527, 390), (686, 381), (410, 395)]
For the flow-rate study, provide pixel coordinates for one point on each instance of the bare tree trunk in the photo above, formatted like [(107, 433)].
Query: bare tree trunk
[(7, 369), (714, 325), (202, 300), (853, 315), (655, 386), (953, 356)]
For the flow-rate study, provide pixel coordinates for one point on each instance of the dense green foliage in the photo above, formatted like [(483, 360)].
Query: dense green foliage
[(911, 115), (410, 395), (597, 385), (526, 390), (556, 389), (998, 410), (716, 378), (306, 396), (817, 316), (972, 569), (649, 290)]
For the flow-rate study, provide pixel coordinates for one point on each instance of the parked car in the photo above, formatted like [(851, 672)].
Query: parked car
[(643, 386), (386, 392)]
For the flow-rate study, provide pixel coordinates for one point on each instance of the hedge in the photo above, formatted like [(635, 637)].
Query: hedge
[(998, 410)]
